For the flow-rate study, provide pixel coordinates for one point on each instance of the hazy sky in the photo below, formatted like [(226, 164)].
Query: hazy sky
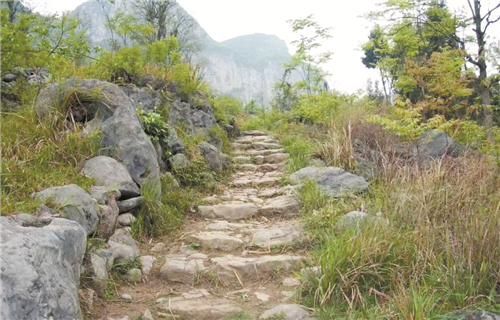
[(225, 19)]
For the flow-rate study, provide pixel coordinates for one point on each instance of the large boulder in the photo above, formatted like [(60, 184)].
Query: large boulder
[(74, 203), (40, 270), (331, 180), (103, 105), (144, 98), (436, 143), (110, 173)]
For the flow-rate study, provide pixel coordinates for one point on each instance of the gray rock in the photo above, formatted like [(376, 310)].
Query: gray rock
[(111, 174), (286, 312), (229, 211), (98, 268), (355, 219), (331, 180), (107, 219), (144, 98), (202, 309), (134, 275), (179, 161), (29, 220), (196, 118), (254, 269), (75, 203), (9, 77), (147, 315), (126, 219), (476, 315), (277, 157), (219, 241), (126, 297), (115, 115), (123, 246), (278, 236), (147, 264), (285, 205), (212, 156), (41, 270), (181, 270), (129, 204), (436, 143), (100, 194)]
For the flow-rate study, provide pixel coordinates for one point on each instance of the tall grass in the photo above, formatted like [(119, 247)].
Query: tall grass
[(439, 253), (40, 153)]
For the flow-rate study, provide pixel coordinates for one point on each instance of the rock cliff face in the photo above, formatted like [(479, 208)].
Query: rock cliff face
[(245, 67)]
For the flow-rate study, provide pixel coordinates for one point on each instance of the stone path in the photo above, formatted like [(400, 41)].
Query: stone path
[(237, 255)]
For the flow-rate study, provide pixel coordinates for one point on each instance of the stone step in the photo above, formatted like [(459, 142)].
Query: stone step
[(201, 309), (229, 211), (254, 133), (264, 152), (180, 269), (271, 192), (251, 139), (219, 240), (279, 236), (259, 182), (265, 146), (242, 160), (234, 270), (275, 158), (286, 206), (223, 225)]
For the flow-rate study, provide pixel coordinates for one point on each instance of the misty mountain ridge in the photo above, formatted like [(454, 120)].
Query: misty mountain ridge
[(245, 67)]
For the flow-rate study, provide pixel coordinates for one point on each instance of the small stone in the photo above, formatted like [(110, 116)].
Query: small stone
[(229, 211), (147, 315), (126, 219), (159, 247), (147, 264), (291, 282), (134, 275), (127, 297), (264, 297)]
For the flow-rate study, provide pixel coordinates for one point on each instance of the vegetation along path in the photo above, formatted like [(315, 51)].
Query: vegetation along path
[(235, 258)]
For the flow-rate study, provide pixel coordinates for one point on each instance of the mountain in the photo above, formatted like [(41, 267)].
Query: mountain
[(244, 67)]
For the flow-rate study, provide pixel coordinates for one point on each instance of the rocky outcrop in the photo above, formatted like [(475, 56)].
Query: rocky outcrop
[(106, 107), (436, 143), (41, 270)]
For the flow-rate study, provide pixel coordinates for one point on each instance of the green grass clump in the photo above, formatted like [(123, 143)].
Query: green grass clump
[(40, 153), (160, 216)]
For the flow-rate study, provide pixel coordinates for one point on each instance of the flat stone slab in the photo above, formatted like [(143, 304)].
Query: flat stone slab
[(229, 211), (278, 236), (265, 146), (181, 270), (276, 157), (242, 159), (254, 133), (256, 182), (226, 225), (248, 167), (265, 152), (219, 241), (201, 309), (285, 205), (254, 269), (271, 192), (268, 167)]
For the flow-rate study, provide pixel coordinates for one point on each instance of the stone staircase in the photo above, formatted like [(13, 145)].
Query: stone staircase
[(238, 254)]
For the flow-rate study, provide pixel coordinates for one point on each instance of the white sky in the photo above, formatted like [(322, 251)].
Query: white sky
[(225, 19)]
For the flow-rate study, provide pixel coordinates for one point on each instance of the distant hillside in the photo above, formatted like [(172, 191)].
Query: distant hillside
[(245, 67)]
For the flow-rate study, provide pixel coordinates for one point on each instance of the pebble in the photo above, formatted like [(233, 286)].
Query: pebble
[(126, 297)]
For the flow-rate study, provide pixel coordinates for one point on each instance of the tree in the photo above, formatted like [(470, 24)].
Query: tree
[(481, 24), (304, 63), (156, 13)]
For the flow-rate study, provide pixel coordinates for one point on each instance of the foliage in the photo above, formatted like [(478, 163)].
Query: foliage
[(154, 126), (226, 108), (40, 153), (159, 216), (304, 63)]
